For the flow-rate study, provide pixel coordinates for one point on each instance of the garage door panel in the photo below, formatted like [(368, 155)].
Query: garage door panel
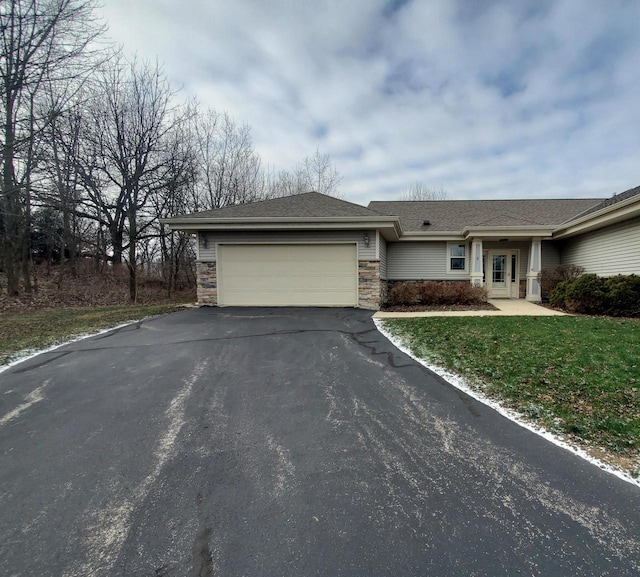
[(287, 298), (247, 268), (283, 283), (287, 275)]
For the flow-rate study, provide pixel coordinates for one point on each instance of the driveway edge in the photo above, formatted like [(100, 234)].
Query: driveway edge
[(460, 383)]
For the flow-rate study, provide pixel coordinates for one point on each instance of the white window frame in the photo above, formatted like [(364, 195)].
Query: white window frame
[(464, 270)]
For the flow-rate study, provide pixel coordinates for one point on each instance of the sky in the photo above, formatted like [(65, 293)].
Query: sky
[(482, 99)]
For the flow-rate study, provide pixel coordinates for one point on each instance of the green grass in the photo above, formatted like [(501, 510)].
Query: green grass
[(41, 329), (578, 376)]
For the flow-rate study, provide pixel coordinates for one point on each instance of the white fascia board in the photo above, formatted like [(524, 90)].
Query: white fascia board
[(485, 232), (390, 227), (606, 216), (508, 232), (432, 236)]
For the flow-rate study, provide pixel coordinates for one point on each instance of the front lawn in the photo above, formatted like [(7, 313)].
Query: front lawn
[(36, 330), (577, 376)]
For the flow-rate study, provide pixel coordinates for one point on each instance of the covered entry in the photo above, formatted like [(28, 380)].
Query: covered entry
[(323, 275), (501, 275), (508, 268)]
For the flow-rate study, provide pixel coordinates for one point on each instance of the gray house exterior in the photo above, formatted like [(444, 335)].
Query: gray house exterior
[(315, 250)]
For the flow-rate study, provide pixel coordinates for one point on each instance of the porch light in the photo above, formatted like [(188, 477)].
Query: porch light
[(504, 240), (366, 239)]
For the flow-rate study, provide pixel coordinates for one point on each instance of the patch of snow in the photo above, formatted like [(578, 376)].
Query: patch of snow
[(461, 384), (27, 354)]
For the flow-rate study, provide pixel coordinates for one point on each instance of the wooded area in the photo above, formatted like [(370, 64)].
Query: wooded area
[(96, 149)]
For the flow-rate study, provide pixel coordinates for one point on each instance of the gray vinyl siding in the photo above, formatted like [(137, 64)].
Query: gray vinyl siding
[(550, 255), (382, 250), (606, 252), (420, 261), (208, 252)]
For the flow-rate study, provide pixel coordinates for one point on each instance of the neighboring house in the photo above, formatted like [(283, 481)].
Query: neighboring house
[(315, 250)]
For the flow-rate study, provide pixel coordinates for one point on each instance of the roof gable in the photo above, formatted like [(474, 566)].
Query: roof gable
[(306, 205)]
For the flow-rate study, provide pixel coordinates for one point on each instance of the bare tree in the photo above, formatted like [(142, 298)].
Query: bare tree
[(321, 175), (420, 191), (230, 169), (313, 174), (177, 196), (125, 163), (43, 42), (63, 139)]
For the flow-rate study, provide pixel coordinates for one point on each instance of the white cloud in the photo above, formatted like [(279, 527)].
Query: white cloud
[(488, 100)]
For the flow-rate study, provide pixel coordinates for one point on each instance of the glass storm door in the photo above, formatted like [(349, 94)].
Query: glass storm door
[(499, 275)]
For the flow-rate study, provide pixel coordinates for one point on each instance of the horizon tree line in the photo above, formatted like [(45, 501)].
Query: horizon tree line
[(97, 148)]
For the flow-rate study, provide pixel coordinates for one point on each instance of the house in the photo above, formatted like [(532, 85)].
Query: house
[(315, 250)]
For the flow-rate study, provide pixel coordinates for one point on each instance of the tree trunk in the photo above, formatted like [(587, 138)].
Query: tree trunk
[(26, 237), (133, 233), (11, 205)]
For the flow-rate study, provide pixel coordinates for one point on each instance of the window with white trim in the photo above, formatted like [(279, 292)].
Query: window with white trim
[(456, 257)]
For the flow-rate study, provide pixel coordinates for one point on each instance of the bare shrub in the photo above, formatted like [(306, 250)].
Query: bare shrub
[(404, 294), (478, 294), (453, 293), (436, 293), (432, 292), (549, 278)]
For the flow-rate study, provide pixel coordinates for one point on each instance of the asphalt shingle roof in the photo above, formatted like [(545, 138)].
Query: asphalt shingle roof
[(306, 205), (455, 215), (615, 199)]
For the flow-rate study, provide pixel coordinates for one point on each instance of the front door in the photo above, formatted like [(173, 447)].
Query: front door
[(499, 273)]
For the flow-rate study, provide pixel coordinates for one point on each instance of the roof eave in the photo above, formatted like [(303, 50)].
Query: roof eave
[(485, 232), (606, 216), (390, 227), (435, 235), (542, 231)]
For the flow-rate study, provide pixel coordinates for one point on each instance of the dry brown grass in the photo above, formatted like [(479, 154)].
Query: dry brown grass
[(54, 290)]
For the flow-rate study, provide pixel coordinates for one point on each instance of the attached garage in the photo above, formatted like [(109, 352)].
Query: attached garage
[(287, 275), (308, 249)]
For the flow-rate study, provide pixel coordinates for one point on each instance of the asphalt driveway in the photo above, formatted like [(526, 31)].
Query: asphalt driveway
[(284, 442)]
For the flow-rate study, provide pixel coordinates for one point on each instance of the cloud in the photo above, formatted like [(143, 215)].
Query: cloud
[(496, 99)]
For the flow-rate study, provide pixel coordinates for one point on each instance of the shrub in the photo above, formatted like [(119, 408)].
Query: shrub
[(550, 277), (618, 296), (430, 293), (437, 293), (450, 293), (434, 293), (623, 295), (404, 294), (587, 295), (558, 296), (478, 294)]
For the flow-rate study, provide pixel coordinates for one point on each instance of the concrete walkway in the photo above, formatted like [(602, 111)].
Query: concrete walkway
[(505, 308)]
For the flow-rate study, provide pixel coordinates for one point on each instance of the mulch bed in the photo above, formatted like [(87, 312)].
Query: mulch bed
[(425, 308)]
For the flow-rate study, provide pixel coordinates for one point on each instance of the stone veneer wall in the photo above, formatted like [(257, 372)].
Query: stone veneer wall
[(370, 286), (207, 283)]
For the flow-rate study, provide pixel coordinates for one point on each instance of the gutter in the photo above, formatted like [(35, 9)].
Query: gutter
[(291, 223), (608, 215)]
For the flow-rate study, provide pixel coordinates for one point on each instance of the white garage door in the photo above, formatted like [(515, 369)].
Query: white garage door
[(323, 275)]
